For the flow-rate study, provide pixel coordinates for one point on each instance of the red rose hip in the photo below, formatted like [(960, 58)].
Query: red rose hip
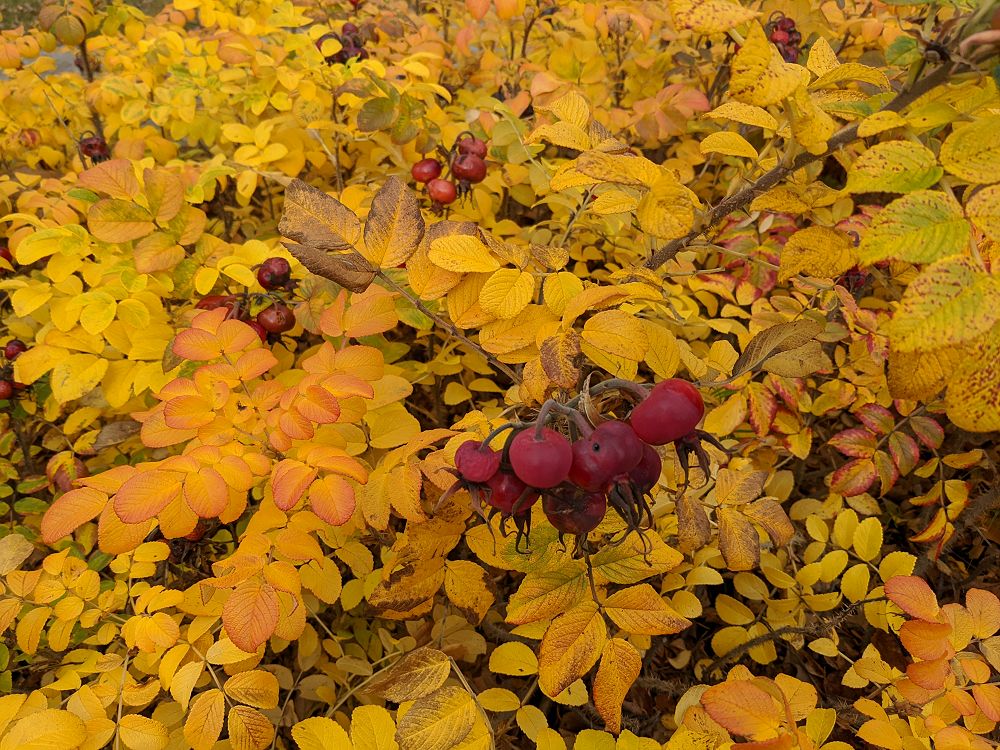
[(6, 389), (442, 191), (274, 273), (612, 449), (469, 167), (475, 462), (671, 410), (277, 318), (575, 512), (426, 170), (541, 462), (14, 349), (472, 145)]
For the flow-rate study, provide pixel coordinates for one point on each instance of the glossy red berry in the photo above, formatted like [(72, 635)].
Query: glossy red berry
[(505, 490), (14, 349), (19, 386), (645, 475), (274, 273), (575, 511), (779, 37), (6, 389), (785, 24), (611, 449), (426, 170), (442, 191), (671, 410), (258, 329), (541, 462), (5, 252), (277, 318), (475, 462), (472, 145), (469, 167)]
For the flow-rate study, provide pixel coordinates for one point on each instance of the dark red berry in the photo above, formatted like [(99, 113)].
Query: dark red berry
[(95, 148), (469, 167), (258, 329), (541, 462), (349, 29), (14, 349), (785, 24), (274, 273), (506, 490), (19, 386), (671, 410), (788, 54), (5, 252), (475, 462), (277, 318), (794, 38), (442, 191), (6, 389), (426, 170), (472, 145), (779, 37), (575, 511), (645, 476), (612, 449)]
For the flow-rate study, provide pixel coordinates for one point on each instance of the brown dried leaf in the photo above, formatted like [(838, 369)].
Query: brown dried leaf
[(114, 433), (770, 516), (313, 218), (559, 355), (394, 226), (782, 337), (352, 271)]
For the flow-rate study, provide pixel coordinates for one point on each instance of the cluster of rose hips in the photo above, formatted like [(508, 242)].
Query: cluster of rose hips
[(95, 148), (273, 274), (613, 463), (352, 44), (783, 34), (11, 351), (466, 165)]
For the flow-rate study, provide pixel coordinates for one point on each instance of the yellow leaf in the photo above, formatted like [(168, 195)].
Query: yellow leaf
[(498, 700), (394, 226), (984, 210), (438, 721), (893, 167), (204, 721), (544, 595), (666, 211), (513, 659), (662, 354), (972, 151), (953, 302), (391, 425), (29, 628), (641, 610), (48, 729), (558, 289), (822, 59), (76, 375), (879, 122), (759, 75), (571, 107), (738, 540), (921, 227), (728, 143), (255, 688), (880, 733), (371, 727), (564, 134), (620, 666), (467, 587), (811, 126), (14, 550), (817, 251), (570, 647), (320, 733), (629, 169), (850, 71), (507, 292), (973, 397), (613, 202), (708, 16), (417, 674), (114, 220), (745, 114), (778, 338), (616, 341), (311, 217), (249, 729), (462, 253), (140, 733)]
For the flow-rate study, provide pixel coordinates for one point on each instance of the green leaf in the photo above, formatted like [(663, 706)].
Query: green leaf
[(376, 114), (921, 227), (893, 167)]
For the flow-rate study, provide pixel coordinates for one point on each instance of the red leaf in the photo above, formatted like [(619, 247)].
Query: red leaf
[(928, 431), (876, 418), (853, 478), (857, 442), (289, 480), (332, 499)]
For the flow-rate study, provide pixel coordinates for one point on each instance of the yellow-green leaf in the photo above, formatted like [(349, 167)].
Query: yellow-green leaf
[(893, 167), (708, 16), (817, 251), (921, 227), (972, 151)]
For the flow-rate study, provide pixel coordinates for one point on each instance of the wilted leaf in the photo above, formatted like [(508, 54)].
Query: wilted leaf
[(778, 338)]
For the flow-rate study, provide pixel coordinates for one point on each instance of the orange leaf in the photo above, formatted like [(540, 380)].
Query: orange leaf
[(254, 363), (318, 405), (197, 345), (620, 666), (988, 699), (332, 499), (881, 733), (250, 614), (71, 511), (206, 492), (744, 709), (146, 494), (204, 722), (930, 675), (984, 608), (926, 640), (289, 480), (236, 336), (117, 537), (187, 412), (913, 596)]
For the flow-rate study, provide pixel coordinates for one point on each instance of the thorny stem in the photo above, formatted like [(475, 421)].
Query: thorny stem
[(450, 328), (740, 200)]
